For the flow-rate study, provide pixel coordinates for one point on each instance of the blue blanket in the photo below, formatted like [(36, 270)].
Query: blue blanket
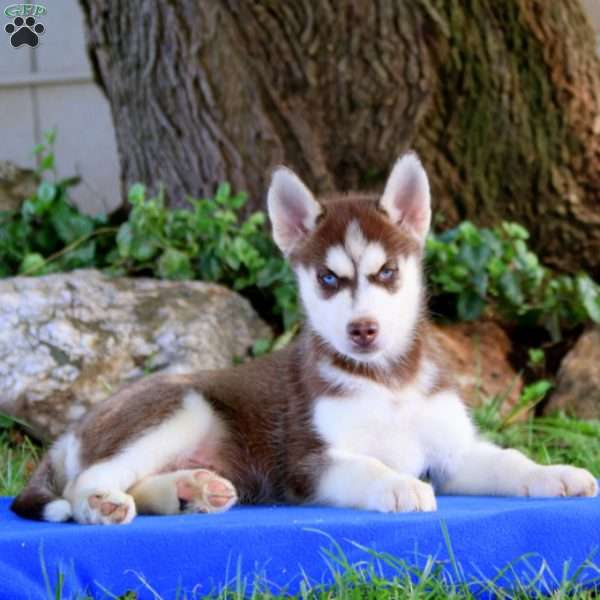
[(473, 538)]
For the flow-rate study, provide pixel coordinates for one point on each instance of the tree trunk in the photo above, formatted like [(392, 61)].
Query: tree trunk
[(500, 97)]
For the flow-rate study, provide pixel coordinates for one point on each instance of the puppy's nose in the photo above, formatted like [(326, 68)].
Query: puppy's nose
[(363, 332)]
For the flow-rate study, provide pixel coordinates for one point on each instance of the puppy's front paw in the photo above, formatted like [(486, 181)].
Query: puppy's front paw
[(104, 508), (401, 494), (560, 480)]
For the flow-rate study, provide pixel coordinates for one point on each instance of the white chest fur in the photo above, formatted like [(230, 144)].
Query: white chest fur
[(405, 428)]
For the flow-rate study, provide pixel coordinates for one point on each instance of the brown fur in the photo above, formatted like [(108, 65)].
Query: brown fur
[(111, 425), (40, 490), (339, 212)]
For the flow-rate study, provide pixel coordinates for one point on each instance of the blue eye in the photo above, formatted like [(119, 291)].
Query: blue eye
[(329, 280), (386, 274)]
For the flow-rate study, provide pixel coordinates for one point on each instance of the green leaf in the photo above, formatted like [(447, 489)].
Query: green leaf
[(68, 182), (46, 192), (496, 267), (261, 347), (124, 240), (47, 162), (515, 231), (69, 224), (32, 263), (223, 192), (536, 356), (238, 201), (475, 256), (82, 256), (50, 136), (28, 208), (470, 306), (143, 249), (589, 293), (174, 265), (468, 232), (535, 392), (510, 287), (137, 193), (480, 281)]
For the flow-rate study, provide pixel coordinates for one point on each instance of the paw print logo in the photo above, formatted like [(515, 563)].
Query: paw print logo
[(24, 31)]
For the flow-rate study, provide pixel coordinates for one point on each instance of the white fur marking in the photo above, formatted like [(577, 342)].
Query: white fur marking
[(372, 259), (57, 511), (427, 375), (401, 428), (355, 241), (351, 383), (64, 456), (339, 262)]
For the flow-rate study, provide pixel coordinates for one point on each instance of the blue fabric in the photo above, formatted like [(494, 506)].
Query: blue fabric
[(287, 544)]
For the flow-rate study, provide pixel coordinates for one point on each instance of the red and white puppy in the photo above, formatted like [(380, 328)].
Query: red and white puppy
[(356, 413)]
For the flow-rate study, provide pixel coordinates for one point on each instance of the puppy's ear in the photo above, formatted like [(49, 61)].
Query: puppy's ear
[(406, 198), (292, 209)]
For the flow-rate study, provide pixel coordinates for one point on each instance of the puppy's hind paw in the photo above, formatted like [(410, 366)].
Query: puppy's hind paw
[(105, 508), (201, 490)]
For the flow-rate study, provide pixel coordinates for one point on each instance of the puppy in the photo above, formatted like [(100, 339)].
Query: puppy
[(356, 413)]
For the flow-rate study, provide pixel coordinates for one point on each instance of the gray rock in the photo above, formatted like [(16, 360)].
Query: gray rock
[(69, 340), (577, 389)]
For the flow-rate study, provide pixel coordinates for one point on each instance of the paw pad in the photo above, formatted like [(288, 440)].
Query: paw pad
[(204, 491), (24, 31), (218, 493), (109, 508)]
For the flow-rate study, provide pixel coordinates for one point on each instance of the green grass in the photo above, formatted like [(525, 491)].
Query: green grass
[(555, 439), (434, 580), (547, 440), (18, 456)]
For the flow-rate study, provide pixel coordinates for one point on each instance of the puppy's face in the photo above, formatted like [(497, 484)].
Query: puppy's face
[(357, 260)]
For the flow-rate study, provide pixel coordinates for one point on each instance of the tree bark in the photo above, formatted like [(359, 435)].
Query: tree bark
[(500, 97)]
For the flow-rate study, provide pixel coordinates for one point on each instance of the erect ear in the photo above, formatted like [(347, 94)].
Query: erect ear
[(292, 209), (406, 198)]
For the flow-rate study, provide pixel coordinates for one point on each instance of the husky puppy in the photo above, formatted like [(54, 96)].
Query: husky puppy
[(356, 413)]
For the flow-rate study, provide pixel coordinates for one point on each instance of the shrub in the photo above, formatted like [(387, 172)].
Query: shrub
[(477, 271), (48, 234), (493, 272), (208, 241)]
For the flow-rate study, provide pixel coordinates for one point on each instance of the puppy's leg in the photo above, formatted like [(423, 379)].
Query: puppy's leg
[(101, 507), (354, 480), (488, 469), (183, 491), (98, 494), (462, 463)]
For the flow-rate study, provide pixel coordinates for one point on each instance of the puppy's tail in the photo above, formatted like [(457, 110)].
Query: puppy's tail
[(38, 500)]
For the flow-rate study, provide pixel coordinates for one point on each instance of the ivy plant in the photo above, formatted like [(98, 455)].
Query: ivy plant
[(493, 272)]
